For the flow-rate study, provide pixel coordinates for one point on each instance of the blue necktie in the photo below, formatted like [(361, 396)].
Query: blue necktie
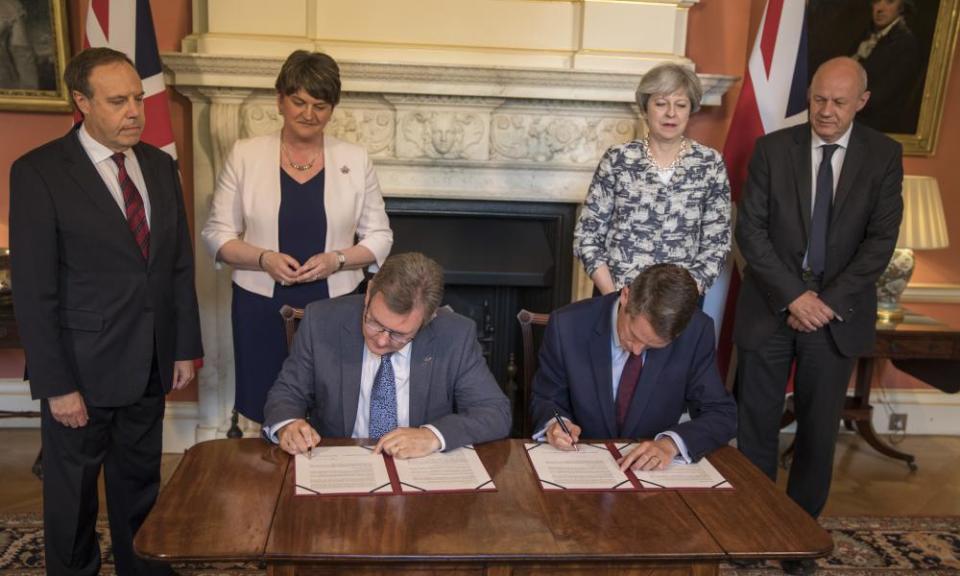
[(383, 399), (820, 222)]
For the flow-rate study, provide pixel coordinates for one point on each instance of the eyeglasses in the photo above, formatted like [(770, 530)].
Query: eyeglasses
[(396, 337)]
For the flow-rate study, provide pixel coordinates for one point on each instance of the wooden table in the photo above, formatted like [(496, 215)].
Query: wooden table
[(921, 346), (233, 500)]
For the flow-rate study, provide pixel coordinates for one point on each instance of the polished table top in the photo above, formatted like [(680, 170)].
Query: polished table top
[(234, 500)]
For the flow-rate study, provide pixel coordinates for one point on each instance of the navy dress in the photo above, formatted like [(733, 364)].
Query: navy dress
[(259, 342)]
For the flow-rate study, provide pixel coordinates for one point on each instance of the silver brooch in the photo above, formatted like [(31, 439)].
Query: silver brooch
[(344, 169)]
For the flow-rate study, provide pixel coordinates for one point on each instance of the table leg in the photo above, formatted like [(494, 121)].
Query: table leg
[(859, 410)]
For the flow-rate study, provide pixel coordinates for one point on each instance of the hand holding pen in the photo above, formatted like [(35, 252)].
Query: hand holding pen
[(563, 436)]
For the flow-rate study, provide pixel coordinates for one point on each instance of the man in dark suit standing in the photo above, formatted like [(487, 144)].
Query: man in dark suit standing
[(817, 226), (106, 308), (627, 365), (388, 365)]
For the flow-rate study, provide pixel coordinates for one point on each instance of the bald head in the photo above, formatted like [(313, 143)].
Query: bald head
[(845, 67), (838, 91)]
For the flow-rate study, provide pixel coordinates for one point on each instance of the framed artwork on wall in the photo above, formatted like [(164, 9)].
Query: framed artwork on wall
[(906, 47), (33, 55)]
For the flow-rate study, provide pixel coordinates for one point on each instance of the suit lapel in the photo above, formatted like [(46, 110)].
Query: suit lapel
[(421, 372), (653, 364), (601, 364), (852, 162), (351, 368), (82, 170), (800, 164)]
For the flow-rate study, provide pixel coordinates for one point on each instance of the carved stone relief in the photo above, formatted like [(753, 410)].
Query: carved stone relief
[(372, 129), (446, 134), (559, 139)]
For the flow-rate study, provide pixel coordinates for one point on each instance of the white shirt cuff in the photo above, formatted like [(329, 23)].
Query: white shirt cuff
[(270, 433), (432, 428), (681, 446)]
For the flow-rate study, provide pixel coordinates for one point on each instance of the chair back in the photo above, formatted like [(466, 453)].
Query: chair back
[(527, 321), (291, 320)]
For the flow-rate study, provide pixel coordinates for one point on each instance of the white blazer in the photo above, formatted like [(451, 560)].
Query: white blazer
[(246, 206)]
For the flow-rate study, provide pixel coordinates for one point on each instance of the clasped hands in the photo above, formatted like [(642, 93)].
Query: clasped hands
[(299, 436), (646, 455), (809, 313), (285, 269)]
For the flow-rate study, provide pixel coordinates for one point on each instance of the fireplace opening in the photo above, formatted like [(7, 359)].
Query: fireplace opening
[(498, 258)]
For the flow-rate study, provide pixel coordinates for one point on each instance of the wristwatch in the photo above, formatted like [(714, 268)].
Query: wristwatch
[(341, 260)]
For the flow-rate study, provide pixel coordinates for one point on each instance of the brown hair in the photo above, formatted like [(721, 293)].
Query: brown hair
[(407, 281), (77, 74), (667, 296), (315, 72)]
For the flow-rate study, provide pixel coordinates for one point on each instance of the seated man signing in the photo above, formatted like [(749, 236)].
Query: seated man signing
[(387, 366), (627, 365)]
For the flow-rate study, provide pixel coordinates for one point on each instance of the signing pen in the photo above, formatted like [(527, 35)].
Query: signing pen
[(564, 428)]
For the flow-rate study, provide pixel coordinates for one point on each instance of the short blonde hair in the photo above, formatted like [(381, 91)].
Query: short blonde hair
[(667, 79)]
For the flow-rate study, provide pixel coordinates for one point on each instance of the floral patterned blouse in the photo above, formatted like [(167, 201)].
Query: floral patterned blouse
[(632, 220)]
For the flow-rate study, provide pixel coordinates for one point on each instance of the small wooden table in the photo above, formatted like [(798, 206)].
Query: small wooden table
[(234, 500), (920, 346)]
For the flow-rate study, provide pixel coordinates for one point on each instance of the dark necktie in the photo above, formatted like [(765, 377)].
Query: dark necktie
[(383, 400), (133, 207), (628, 385), (820, 222)]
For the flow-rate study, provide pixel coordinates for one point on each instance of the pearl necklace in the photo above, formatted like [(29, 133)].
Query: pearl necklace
[(300, 167), (684, 144)]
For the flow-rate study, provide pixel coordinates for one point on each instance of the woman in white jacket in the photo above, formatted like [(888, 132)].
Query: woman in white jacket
[(286, 213)]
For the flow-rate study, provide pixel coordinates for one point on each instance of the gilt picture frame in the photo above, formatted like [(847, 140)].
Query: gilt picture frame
[(33, 55), (908, 68)]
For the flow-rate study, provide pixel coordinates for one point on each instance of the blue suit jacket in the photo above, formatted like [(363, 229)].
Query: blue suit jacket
[(574, 376)]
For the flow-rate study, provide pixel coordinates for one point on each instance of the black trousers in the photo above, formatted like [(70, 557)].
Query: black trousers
[(127, 442), (820, 387)]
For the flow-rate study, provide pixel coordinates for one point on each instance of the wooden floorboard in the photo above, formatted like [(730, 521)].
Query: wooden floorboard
[(865, 483)]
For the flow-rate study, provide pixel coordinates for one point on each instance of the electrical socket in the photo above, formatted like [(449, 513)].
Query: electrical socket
[(898, 422)]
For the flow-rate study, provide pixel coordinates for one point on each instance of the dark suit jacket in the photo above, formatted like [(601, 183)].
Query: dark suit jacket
[(574, 376), (91, 313), (774, 220), (895, 73), (451, 387)]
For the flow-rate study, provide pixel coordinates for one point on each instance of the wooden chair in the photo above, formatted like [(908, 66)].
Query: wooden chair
[(527, 321), (291, 320)]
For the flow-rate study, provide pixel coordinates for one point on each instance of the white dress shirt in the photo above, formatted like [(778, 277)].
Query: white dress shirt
[(100, 155)]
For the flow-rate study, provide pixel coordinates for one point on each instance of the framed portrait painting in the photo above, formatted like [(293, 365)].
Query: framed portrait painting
[(906, 47), (33, 55)]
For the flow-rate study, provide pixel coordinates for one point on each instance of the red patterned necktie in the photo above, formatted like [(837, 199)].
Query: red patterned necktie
[(136, 214), (628, 385)]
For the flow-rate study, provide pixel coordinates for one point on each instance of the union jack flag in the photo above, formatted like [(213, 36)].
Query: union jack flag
[(127, 26), (774, 96)]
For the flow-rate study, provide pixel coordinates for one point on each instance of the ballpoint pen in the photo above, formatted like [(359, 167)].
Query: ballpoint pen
[(564, 428)]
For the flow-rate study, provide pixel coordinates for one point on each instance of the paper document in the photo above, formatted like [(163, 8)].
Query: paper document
[(700, 474), (341, 470), (592, 468), (456, 470), (356, 470), (595, 468)]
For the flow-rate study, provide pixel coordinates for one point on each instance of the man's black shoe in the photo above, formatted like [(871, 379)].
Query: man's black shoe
[(801, 567)]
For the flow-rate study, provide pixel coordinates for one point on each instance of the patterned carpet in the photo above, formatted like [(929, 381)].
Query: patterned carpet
[(864, 546)]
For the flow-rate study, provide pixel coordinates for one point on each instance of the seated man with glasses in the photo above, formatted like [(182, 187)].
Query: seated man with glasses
[(389, 366)]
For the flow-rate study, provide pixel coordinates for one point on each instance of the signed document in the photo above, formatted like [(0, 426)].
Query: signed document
[(592, 468), (700, 474), (356, 470), (342, 470), (456, 470)]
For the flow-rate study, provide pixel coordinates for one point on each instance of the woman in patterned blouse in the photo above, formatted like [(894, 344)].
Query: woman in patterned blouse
[(664, 198)]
